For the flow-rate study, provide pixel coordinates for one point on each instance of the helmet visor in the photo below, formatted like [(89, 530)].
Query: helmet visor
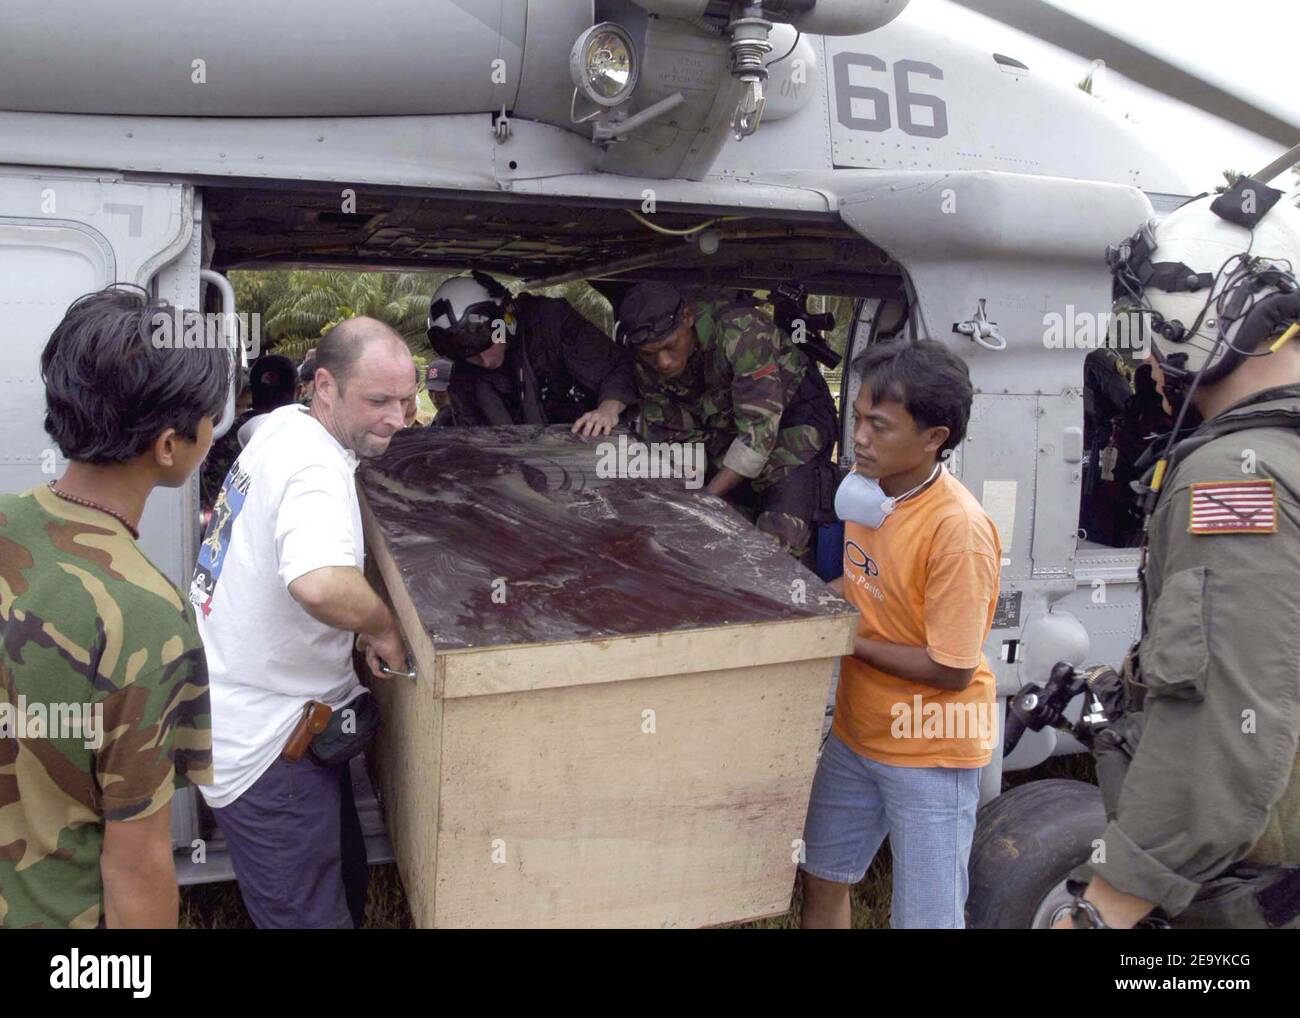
[(462, 337)]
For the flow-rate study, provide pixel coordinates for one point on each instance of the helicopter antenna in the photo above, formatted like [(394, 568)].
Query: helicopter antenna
[(1284, 162)]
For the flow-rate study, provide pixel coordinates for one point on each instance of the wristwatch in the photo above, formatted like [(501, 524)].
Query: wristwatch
[(1084, 916)]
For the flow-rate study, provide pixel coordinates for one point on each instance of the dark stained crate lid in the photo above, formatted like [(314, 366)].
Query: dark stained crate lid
[(508, 535)]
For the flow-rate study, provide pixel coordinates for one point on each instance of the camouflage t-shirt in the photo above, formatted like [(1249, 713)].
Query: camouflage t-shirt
[(103, 702)]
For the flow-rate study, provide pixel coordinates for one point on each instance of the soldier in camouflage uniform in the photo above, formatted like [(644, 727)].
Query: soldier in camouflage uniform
[(103, 682), (720, 372)]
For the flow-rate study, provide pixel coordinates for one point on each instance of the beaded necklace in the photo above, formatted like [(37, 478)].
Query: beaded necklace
[(87, 503)]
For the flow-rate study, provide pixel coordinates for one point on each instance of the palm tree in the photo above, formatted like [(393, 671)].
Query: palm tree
[(586, 300), (298, 306), (1231, 176)]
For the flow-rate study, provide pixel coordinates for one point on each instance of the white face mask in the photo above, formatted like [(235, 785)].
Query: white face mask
[(861, 499)]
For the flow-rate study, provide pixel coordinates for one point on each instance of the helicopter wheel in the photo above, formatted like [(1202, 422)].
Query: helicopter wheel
[(1026, 843)]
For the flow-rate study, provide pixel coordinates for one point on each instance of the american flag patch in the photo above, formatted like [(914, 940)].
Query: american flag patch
[(1234, 507)]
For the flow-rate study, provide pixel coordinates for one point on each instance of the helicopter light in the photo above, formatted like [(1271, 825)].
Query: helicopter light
[(603, 64)]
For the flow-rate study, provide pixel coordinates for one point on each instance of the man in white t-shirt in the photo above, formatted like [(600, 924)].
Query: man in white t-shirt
[(280, 593)]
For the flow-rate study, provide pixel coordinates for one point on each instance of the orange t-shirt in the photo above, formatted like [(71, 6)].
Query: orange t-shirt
[(927, 577)]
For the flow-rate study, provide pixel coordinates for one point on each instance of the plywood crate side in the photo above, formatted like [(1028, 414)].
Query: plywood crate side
[(573, 806), (407, 760)]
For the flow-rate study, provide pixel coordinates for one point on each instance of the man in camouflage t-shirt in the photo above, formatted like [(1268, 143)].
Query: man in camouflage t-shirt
[(103, 683), (721, 373)]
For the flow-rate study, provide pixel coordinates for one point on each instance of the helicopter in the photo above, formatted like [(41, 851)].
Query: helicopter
[(851, 147)]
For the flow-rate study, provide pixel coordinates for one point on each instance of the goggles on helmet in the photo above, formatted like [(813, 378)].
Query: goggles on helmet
[(650, 332)]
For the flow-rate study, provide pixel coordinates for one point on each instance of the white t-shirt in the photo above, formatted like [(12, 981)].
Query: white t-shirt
[(288, 506)]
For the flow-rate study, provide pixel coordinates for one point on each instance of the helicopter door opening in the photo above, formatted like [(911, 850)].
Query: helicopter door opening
[(1123, 414), (878, 320)]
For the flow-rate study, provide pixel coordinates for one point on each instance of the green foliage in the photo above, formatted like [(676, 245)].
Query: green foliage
[(1231, 176), (298, 306), (587, 301)]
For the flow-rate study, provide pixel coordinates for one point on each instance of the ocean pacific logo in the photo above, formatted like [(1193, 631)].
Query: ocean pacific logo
[(859, 558)]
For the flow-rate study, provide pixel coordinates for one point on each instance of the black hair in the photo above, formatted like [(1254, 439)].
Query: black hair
[(931, 382), (118, 373), (1144, 380), (307, 369)]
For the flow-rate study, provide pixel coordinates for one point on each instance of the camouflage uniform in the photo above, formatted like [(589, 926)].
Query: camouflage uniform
[(85, 618), (760, 407)]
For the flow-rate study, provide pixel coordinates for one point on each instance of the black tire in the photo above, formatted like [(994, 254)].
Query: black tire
[(1026, 842)]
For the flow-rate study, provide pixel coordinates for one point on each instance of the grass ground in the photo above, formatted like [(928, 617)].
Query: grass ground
[(218, 906)]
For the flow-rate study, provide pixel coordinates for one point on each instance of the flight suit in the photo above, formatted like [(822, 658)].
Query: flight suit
[(1214, 778), (559, 367), (760, 406)]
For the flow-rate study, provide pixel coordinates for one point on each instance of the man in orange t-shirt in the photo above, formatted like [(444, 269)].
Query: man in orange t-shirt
[(915, 708)]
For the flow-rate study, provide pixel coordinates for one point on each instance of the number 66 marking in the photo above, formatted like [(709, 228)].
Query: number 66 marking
[(846, 92)]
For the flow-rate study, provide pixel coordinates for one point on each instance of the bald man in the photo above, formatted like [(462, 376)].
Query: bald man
[(281, 596)]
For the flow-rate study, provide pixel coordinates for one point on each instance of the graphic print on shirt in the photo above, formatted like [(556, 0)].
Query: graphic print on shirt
[(216, 542), (862, 569), (857, 557)]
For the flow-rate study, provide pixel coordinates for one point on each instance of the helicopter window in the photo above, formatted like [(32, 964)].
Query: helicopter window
[(890, 320), (1123, 414)]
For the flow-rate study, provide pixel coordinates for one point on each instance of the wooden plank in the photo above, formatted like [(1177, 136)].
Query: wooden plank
[(417, 637), (494, 670), (406, 760)]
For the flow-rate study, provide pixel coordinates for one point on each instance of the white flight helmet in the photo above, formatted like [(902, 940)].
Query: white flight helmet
[(464, 314), (1210, 287)]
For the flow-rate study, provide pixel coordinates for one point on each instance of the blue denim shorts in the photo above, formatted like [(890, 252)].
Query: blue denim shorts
[(928, 814)]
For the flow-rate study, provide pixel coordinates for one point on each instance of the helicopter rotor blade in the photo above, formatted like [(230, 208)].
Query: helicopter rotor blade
[(1060, 28)]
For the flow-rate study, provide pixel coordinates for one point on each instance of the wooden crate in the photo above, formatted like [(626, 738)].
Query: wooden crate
[(594, 777)]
